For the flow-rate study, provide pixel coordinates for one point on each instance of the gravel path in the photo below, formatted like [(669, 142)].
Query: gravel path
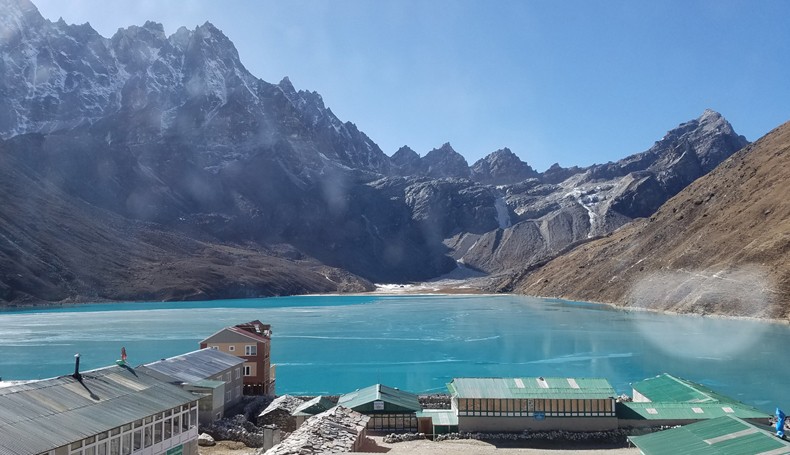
[(463, 447)]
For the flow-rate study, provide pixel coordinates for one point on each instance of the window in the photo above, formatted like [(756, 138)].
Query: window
[(227, 376), (158, 431), (238, 391), (238, 373), (137, 439), (228, 396), (247, 370), (214, 347), (251, 349), (115, 446), (126, 439), (231, 348)]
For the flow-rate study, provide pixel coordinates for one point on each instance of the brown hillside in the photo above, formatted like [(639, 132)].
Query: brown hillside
[(56, 248), (721, 246)]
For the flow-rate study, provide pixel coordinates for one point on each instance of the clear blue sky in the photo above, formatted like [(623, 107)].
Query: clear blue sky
[(574, 82)]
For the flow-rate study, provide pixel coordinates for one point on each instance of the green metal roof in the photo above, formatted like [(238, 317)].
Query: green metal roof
[(685, 411), (394, 399), (666, 387), (442, 417), (313, 406), (561, 388), (721, 436)]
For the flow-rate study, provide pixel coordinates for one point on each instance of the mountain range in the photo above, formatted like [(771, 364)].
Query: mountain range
[(718, 247), (149, 167)]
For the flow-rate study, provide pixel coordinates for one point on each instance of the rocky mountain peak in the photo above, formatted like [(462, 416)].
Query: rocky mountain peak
[(711, 121), (445, 162), (213, 41), (180, 39), (501, 167), (286, 85), (445, 148), (405, 155), (708, 140), (406, 161)]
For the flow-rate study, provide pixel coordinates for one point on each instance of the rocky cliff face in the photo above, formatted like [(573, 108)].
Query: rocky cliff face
[(592, 202), (718, 246)]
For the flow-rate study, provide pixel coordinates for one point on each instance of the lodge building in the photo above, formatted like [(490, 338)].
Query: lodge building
[(518, 404), (250, 341), (390, 409), (108, 411), (213, 375)]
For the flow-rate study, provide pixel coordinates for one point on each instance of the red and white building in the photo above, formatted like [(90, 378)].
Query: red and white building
[(250, 341)]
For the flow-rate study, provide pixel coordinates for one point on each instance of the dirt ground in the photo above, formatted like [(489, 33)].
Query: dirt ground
[(462, 447)]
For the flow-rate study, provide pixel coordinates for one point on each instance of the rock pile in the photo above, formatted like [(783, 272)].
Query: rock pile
[(240, 429), (279, 411), (435, 401), (252, 406), (338, 430), (403, 437)]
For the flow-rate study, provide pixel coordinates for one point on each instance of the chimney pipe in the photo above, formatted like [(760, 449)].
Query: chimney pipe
[(77, 374)]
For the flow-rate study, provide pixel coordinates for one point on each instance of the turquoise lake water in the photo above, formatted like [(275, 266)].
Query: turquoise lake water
[(335, 344)]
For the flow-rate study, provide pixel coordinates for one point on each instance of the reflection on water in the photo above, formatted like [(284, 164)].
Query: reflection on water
[(333, 344)]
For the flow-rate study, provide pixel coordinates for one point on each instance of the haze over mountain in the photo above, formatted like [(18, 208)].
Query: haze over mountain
[(175, 158)]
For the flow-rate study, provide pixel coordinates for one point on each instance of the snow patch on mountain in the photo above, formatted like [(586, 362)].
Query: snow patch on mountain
[(502, 215)]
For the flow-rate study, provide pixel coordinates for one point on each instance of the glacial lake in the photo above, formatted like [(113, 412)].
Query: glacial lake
[(336, 344)]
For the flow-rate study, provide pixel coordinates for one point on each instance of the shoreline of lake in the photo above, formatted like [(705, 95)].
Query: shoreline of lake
[(439, 288)]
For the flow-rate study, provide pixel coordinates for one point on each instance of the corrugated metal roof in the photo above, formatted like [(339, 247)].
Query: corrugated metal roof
[(570, 388), (313, 406), (383, 393), (196, 365), (685, 411), (442, 417), (39, 416), (721, 436), (666, 387)]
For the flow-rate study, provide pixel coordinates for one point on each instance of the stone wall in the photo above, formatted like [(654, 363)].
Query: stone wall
[(337, 430)]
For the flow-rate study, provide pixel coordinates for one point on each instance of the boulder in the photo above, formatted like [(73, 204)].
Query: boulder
[(205, 440)]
